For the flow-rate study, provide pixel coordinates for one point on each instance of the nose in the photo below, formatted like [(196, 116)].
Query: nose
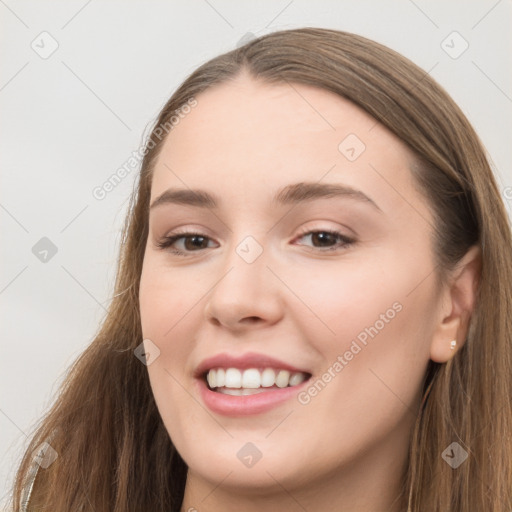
[(245, 294)]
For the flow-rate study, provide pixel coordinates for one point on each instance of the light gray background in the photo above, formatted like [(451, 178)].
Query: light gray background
[(71, 120)]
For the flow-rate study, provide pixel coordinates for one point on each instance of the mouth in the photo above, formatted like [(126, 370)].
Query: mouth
[(239, 392), (251, 381), (244, 384)]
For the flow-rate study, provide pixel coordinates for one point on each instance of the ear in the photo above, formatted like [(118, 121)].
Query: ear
[(458, 301)]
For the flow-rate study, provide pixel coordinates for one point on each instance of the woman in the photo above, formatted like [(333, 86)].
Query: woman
[(312, 307)]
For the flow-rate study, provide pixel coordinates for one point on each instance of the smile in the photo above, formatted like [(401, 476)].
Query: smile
[(250, 383), (237, 382)]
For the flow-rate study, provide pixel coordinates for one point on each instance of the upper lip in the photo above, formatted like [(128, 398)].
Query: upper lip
[(244, 361)]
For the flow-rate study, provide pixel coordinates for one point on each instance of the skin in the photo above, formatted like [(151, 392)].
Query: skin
[(347, 448)]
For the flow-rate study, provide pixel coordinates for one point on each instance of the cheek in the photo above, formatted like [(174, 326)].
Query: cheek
[(358, 299), (166, 298), (166, 319), (369, 321), (373, 330)]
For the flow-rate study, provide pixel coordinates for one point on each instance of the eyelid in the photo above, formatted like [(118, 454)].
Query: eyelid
[(167, 241), (322, 227)]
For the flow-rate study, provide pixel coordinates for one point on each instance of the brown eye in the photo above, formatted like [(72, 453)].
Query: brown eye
[(191, 242), (329, 240)]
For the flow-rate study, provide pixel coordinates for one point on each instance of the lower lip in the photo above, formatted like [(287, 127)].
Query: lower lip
[(244, 405)]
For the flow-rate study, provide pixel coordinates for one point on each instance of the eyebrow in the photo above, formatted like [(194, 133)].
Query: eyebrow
[(290, 195)]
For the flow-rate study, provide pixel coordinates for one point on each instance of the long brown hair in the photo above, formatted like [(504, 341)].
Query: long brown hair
[(114, 453)]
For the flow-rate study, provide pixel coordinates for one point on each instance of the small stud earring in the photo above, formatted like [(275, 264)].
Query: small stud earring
[(452, 344)]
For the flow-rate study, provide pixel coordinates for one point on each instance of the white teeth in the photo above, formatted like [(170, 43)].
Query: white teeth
[(233, 378), (268, 377), (240, 392), (295, 379), (251, 379), (211, 378), (233, 381), (220, 379), (282, 379)]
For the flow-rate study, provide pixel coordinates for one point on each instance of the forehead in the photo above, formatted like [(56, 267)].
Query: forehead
[(255, 138)]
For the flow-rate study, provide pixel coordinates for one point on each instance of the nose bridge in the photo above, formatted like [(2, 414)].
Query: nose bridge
[(245, 286), (245, 269)]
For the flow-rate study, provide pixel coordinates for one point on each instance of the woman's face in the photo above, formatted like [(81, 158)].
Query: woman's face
[(290, 280)]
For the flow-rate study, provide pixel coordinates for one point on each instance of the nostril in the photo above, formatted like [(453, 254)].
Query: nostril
[(251, 319)]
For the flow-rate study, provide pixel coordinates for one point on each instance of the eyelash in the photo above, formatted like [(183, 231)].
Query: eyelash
[(167, 242)]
